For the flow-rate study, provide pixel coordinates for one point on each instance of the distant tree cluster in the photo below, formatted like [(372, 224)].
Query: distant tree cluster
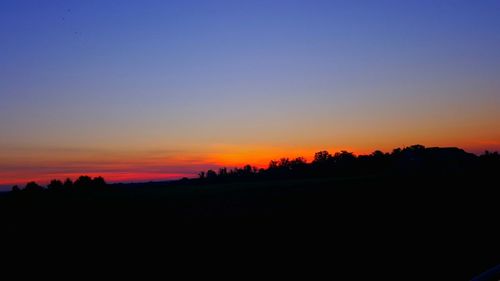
[(247, 171), (83, 182), (416, 159)]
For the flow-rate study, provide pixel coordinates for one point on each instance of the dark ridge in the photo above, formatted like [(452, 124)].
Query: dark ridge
[(428, 213)]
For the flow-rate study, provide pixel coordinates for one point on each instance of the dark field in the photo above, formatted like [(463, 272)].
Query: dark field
[(354, 227)]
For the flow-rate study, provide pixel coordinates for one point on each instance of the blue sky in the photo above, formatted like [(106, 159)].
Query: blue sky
[(223, 77)]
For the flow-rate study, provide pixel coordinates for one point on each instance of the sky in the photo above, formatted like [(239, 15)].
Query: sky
[(155, 90)]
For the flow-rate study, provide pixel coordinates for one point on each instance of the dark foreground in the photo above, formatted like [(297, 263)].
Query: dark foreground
[(347, 228)]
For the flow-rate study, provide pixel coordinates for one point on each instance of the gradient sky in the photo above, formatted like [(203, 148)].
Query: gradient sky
[(140, 90)]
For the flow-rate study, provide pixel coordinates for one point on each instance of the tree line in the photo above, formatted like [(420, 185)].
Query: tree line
[(83, 182), (416, 160)]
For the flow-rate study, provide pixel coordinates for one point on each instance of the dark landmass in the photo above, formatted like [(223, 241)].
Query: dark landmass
[(431, 213)]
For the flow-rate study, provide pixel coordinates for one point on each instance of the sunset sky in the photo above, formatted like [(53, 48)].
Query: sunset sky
[(153, 90)]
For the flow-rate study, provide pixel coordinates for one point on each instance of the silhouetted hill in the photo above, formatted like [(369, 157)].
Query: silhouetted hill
[(423, 212)]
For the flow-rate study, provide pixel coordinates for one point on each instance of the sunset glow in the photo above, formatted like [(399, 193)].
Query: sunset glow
[(158, 90)]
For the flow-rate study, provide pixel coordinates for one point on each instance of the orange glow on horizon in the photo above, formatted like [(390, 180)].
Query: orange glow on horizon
[(124, 177), (143, 167)]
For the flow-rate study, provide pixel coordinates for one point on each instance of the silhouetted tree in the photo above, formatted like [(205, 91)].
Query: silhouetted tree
[(98, 182), (55, 185), (248, 170), (223, 172), (493, 156), (344, 156), (377, 154), (211, 174), (15, 189), (489, 163), (33, 187), (83, 182), (396, 151), (68, 184), (298, 166), (322, 157), (284, 163), (272, 165), (299, 161)]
